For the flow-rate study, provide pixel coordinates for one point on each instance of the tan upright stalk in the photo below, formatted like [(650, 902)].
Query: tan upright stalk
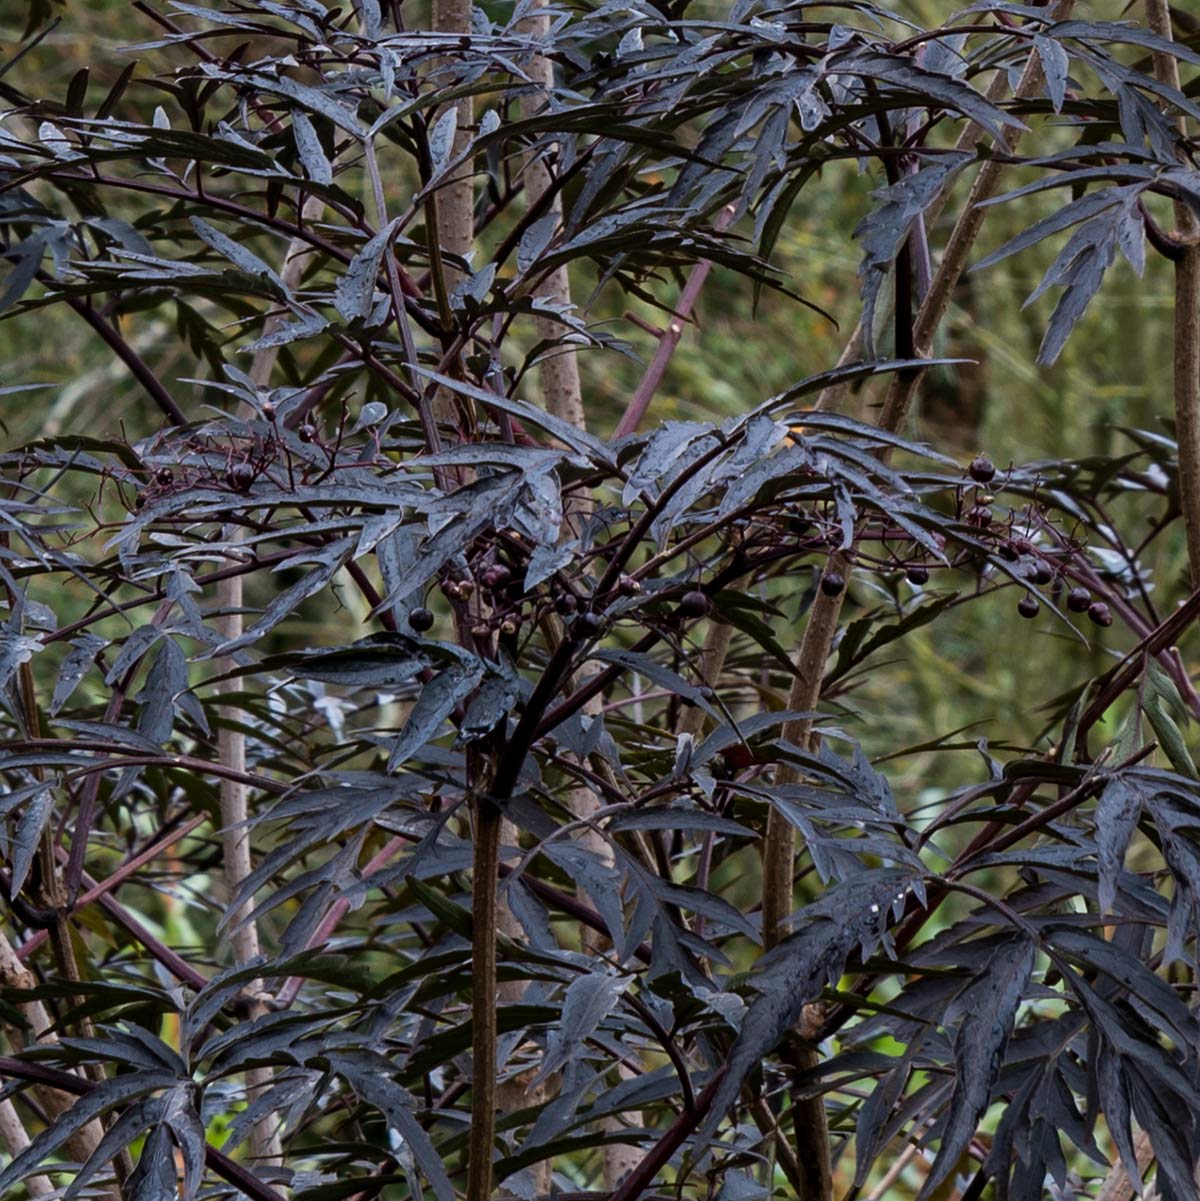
[(562, 395), (231, 751), (231, 742), (453, 207), (515, 1094), (16, 977), (15, 1138), (812, 1138), (779, 856), (1117, 1185), (712, 660), (1187, 320), (455, 203), (559, 373)]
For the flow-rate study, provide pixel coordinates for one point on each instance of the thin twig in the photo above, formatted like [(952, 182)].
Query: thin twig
[(127, 869), (668, 340), (150, 383)]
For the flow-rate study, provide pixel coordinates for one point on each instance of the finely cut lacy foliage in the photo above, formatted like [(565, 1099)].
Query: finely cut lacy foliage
[(460, 606)]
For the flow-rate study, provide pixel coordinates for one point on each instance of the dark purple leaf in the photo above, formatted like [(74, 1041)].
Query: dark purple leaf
[(984, 1012)]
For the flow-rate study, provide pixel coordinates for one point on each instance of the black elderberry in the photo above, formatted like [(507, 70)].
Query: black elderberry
[(587, 625), (982, 469), (242, 476), (833, 584)]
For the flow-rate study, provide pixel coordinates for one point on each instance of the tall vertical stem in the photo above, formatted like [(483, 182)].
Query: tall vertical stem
[(1186, 352), (231, 742), (15, 1138), (15, 977), (488, 822), (455, 203), (453, 211), (812, 1138), (559, 372)]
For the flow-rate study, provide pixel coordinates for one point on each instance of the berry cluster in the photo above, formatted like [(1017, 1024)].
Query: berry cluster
[(1040, 570)]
